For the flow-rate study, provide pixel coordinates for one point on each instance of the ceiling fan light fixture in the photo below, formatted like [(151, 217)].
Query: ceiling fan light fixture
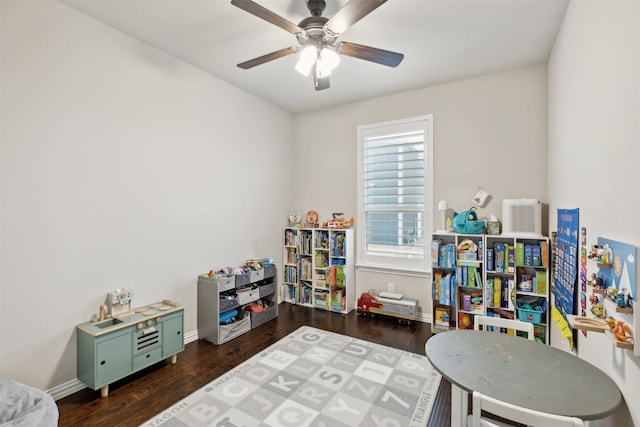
[(329, 57), (308, 57)]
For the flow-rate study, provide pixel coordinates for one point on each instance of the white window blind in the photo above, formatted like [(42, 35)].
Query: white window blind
[(394, 194)]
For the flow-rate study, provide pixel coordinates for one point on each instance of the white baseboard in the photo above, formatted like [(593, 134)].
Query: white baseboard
[(75, 385), (66, 389), (424, 317), (190, 337)]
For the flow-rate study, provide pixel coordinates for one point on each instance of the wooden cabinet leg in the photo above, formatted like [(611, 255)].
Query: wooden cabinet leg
[(104, 391), (174, 358)]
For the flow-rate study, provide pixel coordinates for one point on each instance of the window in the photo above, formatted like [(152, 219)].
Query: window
[(394, 194)]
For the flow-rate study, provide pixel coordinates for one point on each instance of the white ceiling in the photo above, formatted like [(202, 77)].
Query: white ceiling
[(442, 40)]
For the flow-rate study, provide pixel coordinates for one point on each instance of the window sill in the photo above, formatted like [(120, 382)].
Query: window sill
[(396, 271)]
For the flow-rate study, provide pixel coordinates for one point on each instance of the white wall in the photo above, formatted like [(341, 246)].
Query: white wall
[(594, 150), (121, 166), (489, 132)]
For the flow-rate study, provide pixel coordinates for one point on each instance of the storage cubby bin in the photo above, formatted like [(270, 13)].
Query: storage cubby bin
[(242, 280), (222, 283), (247, 296), (256, 275), (260, 317), (232, 330), (269, 271), (266, 289), (227, 303), (531, 315)]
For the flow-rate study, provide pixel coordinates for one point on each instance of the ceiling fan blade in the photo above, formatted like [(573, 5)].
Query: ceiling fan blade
[(268, 57), (351, 13), (368, 53), (264, 13)]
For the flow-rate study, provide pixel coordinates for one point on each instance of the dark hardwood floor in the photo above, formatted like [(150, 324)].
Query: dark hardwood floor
[(139, 397)]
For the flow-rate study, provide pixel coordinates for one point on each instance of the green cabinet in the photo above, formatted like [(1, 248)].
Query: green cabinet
[(113, 357), (106, 354), (104, 359), (172, 334)]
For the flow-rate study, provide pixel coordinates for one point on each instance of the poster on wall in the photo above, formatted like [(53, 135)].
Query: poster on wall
[(566, 260), (622, 273), (619, 273)]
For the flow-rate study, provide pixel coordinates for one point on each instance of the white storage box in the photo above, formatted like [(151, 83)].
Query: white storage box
[(247, 296), (256, 275)]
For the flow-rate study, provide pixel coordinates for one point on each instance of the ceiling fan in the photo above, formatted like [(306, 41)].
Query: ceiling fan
[(318, 38)]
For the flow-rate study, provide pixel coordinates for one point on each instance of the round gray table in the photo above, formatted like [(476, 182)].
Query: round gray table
[(520, 372)]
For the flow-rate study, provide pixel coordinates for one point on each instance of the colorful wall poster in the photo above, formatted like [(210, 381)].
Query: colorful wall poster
[(622, 274), (566, 260)]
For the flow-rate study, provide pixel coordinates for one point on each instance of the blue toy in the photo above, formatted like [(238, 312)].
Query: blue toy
[(228, 317)]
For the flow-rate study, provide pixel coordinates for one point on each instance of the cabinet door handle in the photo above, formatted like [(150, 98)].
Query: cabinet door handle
[(178, 332), (103, 362), (148, 356)]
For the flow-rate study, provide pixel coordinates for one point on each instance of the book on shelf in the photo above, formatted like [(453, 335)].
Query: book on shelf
[(447, 289), (447, 257), (540, 282), (489, 259), (435, 252), (536, 255), (519, 253), (544, 253), (488, 293), (497, 292), (435, 288), (504, 297), (499, 253), (442, 316), (511, 258), (528, 255), (478, 278)]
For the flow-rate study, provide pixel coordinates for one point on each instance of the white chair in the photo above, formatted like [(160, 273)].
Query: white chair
[(514, 413), (501, 322)]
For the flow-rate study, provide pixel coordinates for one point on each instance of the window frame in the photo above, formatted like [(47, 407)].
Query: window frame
[(417, 267)]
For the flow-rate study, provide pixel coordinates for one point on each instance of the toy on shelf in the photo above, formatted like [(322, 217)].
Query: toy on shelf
[(601, 254), (598, 310), (311, 219), (622, 332), (620, 298), (338, 221), (295, 219), (596, 282)]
